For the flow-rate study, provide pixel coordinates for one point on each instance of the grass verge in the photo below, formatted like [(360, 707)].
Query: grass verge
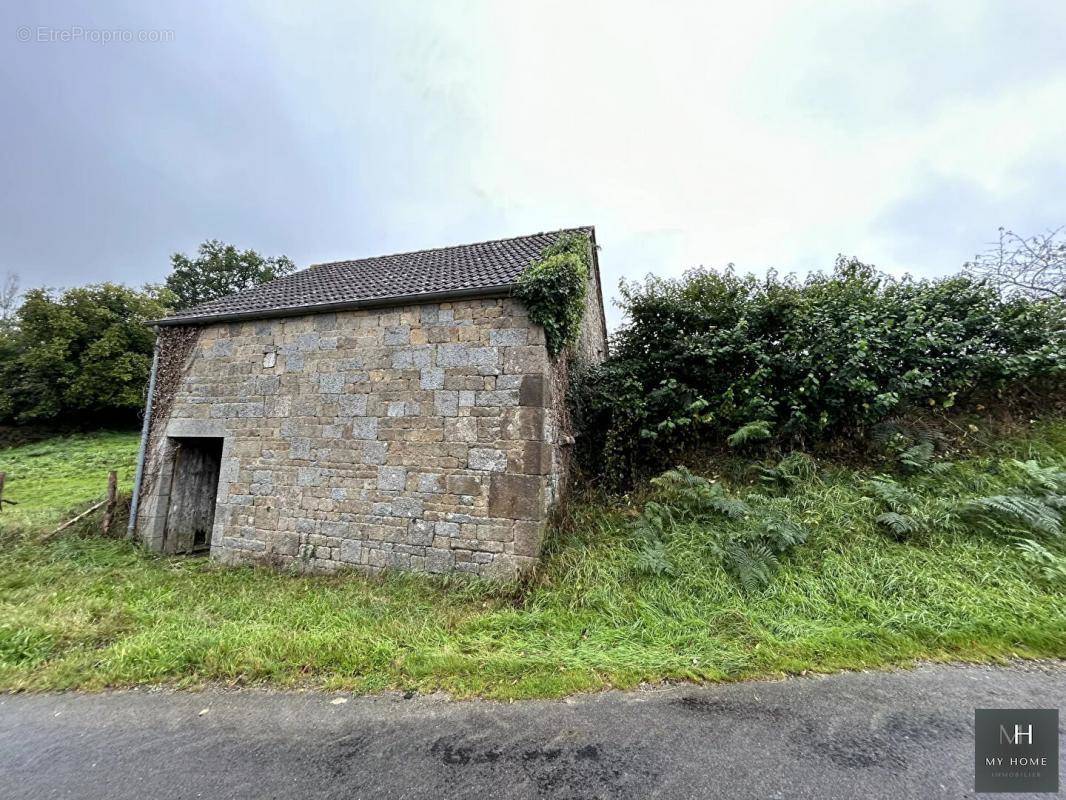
[(91, 613)]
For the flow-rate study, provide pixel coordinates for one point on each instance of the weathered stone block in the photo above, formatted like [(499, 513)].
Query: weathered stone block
[(528, 537), (431, 378), (392, 478), (531, 392), (461, 355), (487, 459), (352, 405), (366, 428), (449, 529), (516, 497), (374, 452), (524, 360), (222, 348), (331, 384), (430, 483), (460, 429), (399, 507), (420, 532), (439, 560), (517, 424), (351, 551), (401, 334), (335, 528), (535, 458), (325, 322), (412, 358), (307, 342), (308, 476), (508, 337), (463, 484), (446, 403), (496, 399)]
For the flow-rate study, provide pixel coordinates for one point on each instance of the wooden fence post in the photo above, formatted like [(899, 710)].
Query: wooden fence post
[(112, 492)]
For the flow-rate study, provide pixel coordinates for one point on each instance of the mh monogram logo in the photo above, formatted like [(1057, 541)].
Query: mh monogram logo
[(1016, 750), (1022, 735)]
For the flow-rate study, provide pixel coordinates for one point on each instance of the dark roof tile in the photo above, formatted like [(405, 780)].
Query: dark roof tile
[(469, 270)]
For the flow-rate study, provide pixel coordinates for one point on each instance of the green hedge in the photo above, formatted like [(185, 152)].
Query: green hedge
[(715, 356)]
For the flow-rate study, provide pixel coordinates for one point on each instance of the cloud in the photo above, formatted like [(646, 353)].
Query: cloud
[(948, 219), (763, 134)]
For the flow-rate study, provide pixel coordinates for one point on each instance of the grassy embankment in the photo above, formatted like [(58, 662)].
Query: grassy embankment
[(83, 612)]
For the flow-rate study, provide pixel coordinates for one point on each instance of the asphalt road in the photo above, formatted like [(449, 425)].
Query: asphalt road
[(866, 735)]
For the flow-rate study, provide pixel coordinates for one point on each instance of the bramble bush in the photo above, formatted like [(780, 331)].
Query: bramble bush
[(719, 358)]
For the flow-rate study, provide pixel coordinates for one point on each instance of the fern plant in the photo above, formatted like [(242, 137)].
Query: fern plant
[(752, 564), (1040, 479), (781, 535), (917, 458), (900, 515), (1047, 566), (1036, 505), (652, 559), (748, 538), (1008, 514), (892, 494), (789, 471), (913, 448), (698, 498), (899, 525), (747, 434)]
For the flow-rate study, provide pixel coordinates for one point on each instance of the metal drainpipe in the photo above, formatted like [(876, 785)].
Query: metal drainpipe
[(139, 474)]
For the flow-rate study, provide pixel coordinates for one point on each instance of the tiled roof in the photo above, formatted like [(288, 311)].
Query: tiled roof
[(467, 270)]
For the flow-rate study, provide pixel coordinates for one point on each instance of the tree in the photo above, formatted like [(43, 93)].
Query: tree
[(1033, 267), (219, 270), (84, 353), (9, 297)]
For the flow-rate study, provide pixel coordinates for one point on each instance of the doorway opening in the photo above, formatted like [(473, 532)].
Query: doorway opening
[(193, 489)]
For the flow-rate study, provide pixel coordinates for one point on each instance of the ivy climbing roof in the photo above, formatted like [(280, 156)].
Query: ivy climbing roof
[(484, 269)]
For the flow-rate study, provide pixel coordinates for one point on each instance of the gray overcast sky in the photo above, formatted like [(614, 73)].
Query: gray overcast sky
[(766, 134)]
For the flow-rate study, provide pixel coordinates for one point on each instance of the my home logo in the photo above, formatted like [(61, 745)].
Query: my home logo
[(1006, 738), (1016, 750)]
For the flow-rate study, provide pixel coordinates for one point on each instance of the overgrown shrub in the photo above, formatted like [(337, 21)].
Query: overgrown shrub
[(553, 290), (715, 357)]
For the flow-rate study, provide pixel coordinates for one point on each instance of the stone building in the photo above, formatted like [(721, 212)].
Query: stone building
[(396, 412)]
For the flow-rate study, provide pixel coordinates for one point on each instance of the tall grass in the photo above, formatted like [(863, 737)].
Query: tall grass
[(91, 613)]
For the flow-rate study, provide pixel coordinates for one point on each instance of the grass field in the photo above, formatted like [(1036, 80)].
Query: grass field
[(50, 478), (82, 612)]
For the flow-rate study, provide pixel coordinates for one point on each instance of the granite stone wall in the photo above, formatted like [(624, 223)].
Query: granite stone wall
[(425, 438)]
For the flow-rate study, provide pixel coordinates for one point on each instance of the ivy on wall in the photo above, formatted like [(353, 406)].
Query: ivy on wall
[(176, 344), (554, 289)]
